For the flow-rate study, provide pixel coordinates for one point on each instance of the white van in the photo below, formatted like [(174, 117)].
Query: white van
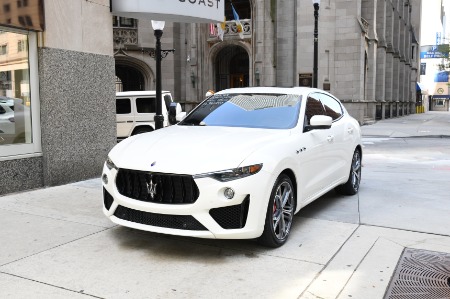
[(135, 112)]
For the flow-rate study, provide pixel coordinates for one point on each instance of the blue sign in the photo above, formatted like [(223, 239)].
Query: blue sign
[(431, 52)]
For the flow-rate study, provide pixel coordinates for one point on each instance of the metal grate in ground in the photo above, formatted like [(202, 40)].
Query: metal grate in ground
[(421, 274)]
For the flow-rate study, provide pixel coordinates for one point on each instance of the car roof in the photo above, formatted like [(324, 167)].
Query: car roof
[(138, 93), (277, 90)]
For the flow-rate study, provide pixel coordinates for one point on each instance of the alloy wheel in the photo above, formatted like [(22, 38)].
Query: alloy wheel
[(356, 170), (283, 210)]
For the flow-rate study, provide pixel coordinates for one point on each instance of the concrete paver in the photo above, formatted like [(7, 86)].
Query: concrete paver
[(12, 287)]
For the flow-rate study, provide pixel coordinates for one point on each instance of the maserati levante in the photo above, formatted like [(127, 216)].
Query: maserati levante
[(239, 166)]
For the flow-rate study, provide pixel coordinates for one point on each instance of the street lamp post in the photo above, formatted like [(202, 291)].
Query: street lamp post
[(316, 4), (158, 27), (159, 54)]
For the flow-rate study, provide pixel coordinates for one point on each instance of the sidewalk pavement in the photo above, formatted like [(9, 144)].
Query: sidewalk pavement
[(56, 243), (430, 124)]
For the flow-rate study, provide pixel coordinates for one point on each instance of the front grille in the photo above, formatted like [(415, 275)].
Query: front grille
[(107, 199), (231, 217), (184, 222), (157, 187)]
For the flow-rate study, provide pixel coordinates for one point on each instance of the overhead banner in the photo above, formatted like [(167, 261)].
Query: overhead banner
[(182, 11)]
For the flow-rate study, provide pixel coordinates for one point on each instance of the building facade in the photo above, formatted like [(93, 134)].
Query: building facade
[(368, 52), (57, 97), (62, 61), (435, 64)]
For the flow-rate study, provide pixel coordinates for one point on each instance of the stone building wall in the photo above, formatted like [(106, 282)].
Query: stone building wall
[(76, 98)]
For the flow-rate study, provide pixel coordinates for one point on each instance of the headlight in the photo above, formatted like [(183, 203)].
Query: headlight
[(110, 164), (232, 174)]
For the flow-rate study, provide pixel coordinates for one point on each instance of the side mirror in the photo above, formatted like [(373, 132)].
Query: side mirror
[(319, 122), (175, 113)]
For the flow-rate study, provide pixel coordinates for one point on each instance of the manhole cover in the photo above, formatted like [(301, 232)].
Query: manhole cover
[(421, 274)]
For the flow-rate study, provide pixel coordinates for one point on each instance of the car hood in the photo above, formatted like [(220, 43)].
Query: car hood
[(191, 150)]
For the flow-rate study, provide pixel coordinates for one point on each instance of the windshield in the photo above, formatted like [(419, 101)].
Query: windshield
[(270, 111)]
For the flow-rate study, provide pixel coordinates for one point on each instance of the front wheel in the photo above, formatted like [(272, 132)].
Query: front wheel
[(351, 187), (280, 213)]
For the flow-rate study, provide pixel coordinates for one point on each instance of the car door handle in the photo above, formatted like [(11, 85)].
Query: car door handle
[(330, 138), (350, 130)]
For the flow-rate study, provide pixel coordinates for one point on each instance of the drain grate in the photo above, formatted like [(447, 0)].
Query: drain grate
[(421, 274)]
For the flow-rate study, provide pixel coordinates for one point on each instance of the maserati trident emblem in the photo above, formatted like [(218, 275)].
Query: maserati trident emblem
[(151, 188)]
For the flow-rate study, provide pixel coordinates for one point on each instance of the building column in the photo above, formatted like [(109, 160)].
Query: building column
[(381, 59), (369, 14), (389, 78)]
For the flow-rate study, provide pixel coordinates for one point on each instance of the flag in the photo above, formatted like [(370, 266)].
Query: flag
[(212, 29), (221, 29), (239, 27)]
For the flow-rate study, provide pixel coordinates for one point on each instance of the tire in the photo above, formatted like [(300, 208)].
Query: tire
[(141, 130), (280, 213), (351, 187)]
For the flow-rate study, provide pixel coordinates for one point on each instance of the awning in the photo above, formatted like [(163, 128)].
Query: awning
[(441, 96), (420, 87)]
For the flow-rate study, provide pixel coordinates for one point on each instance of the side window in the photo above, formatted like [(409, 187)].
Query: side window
[(167, 100), (2, 110), (332, 107), (313, 107), (146, 105), (123, 106)]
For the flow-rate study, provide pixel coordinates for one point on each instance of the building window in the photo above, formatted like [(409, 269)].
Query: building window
[(25, 21), (19, 118), (22, 3), (6, 8), (242, 8), (28, 21), (121, 22), (21, 46), (423, 68), (440, 103), (22, 21), (3, 49)]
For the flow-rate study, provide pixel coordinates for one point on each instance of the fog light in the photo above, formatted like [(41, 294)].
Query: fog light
[(228, 193), (105, 179)]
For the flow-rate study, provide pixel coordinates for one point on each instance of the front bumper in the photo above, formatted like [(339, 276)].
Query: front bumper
[(212, 215)]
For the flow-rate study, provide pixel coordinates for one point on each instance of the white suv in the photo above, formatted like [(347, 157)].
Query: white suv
[(135, 112)]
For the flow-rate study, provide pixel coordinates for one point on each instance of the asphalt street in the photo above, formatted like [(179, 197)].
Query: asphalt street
[(56, 243)]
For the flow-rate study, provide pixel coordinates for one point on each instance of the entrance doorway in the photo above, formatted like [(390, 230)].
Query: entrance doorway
[(129, 79), (237, 80), (231, 68)]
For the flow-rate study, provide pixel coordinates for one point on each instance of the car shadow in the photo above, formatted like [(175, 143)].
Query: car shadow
[(333, 207)]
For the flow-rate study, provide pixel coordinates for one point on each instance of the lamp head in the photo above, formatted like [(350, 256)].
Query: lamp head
[(316, 2), (158, 25)]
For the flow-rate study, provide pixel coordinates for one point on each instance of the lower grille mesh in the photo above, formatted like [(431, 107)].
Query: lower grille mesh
[(232, 217), (184, 222)]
